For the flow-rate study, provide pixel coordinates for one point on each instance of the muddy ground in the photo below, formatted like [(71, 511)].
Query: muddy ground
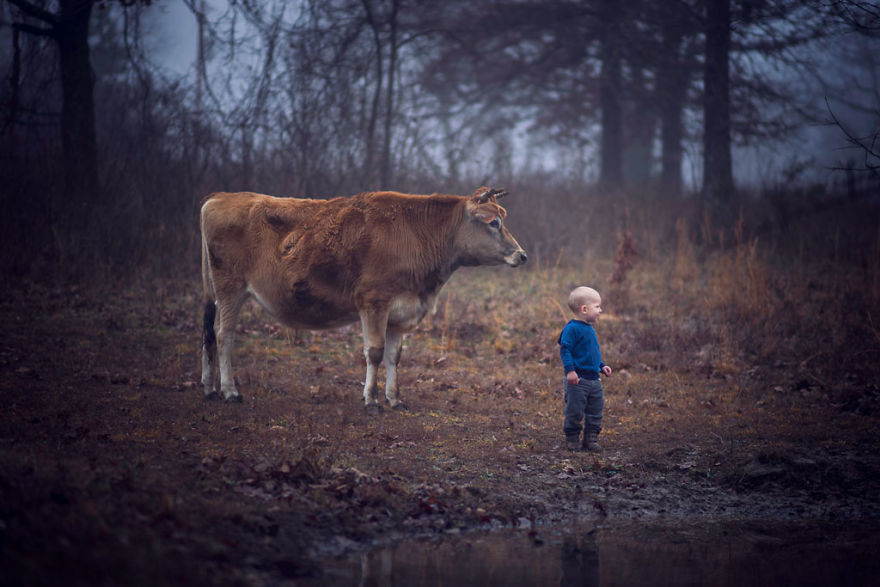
[(114, 470)]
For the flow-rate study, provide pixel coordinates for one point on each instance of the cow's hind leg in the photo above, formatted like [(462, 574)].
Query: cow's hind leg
[(229, 308), (210, 370), (393, 347), (373, 325)]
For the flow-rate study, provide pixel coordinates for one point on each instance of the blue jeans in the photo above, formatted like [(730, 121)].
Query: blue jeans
[(584, 401)]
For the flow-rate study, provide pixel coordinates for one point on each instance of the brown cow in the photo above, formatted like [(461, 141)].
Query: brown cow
[(378, 257)]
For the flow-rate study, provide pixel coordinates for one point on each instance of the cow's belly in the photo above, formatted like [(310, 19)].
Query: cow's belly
[(407, 310), (299, 311), (308, 322)]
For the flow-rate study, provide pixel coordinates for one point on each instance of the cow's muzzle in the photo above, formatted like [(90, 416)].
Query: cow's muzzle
[(516, 258)]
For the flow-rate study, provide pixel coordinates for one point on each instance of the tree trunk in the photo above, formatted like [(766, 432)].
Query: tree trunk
[(717, 166), (385, 166), (671, 132), (369, 174), (611, 172), (672, 84), (78, 135), (639, 130)]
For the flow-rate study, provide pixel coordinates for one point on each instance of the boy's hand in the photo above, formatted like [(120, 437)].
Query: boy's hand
[(606, 370), (572, 378)]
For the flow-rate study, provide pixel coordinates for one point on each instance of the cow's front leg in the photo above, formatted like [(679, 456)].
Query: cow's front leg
[(393, 347), (373, 325)]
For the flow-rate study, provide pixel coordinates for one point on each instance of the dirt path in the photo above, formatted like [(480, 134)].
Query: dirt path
[(114, 470)]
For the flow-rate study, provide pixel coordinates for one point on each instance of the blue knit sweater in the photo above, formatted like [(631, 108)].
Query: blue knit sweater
[(579, 350)]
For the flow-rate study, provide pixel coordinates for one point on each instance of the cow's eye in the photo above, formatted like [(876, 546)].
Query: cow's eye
[(496, 223)]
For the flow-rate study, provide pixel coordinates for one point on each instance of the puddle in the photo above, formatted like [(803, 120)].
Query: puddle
[(729, 553)]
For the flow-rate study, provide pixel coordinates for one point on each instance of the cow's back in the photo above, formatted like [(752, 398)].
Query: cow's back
[(285, 252), (225, 213), (244, 228)]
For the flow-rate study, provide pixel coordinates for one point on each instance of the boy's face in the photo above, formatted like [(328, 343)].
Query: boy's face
[(590, 309)]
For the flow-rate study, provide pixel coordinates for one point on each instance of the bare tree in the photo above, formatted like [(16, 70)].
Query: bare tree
[(385, 167), (383, 23), (676, 68), (717, 164), (610, 89), (863, 18), (585, 73), (868, 146), (69, 29)]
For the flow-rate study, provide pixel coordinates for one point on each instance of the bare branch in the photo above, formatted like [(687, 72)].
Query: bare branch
[(869, 147), (863, 17), (34, 11), (34, 30)]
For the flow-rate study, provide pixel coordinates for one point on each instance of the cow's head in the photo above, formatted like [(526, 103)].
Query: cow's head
[(483, 239)]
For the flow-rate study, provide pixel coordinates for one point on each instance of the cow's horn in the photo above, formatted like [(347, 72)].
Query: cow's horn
[(498, 193)]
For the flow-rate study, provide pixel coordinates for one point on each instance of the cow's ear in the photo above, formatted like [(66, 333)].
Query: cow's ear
[(484, 213)]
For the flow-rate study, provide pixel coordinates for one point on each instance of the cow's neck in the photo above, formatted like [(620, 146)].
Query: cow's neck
[(436, 221), (441, 216)]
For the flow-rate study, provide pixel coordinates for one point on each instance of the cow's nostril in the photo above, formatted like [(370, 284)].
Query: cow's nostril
[(523, 258)]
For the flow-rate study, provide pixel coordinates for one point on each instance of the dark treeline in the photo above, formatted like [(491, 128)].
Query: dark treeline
[(106, 154)]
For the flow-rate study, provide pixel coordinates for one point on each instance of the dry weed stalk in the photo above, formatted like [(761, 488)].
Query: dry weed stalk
[(625, 258), (874, 268), (624, 261), (685, 268), (563, 315), (447, 337)]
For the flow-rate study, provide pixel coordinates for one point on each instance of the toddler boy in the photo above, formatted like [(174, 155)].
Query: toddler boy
[(582, 361)]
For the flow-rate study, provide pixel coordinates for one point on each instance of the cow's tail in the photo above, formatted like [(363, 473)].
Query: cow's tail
[(210, 305)]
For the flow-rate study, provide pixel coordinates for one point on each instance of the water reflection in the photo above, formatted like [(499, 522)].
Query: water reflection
[(580, 560), (732, 553)]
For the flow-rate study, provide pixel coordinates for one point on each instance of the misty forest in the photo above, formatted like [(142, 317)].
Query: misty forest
[(711, 167)]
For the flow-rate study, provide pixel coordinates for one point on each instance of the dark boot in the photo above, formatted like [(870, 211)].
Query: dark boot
[(590, 440), (572, 443)]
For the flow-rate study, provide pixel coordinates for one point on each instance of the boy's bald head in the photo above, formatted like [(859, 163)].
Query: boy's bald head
[(582, 295)]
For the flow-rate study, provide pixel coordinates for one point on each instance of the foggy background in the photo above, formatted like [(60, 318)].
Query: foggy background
[(119, 117), (845, 77)]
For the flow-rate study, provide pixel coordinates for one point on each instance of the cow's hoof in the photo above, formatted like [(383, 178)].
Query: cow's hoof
[(372, 408), (400, 407), (233, 399), (212, 395)]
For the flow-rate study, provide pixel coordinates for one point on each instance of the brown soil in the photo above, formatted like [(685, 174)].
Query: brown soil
[(114, 470)]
